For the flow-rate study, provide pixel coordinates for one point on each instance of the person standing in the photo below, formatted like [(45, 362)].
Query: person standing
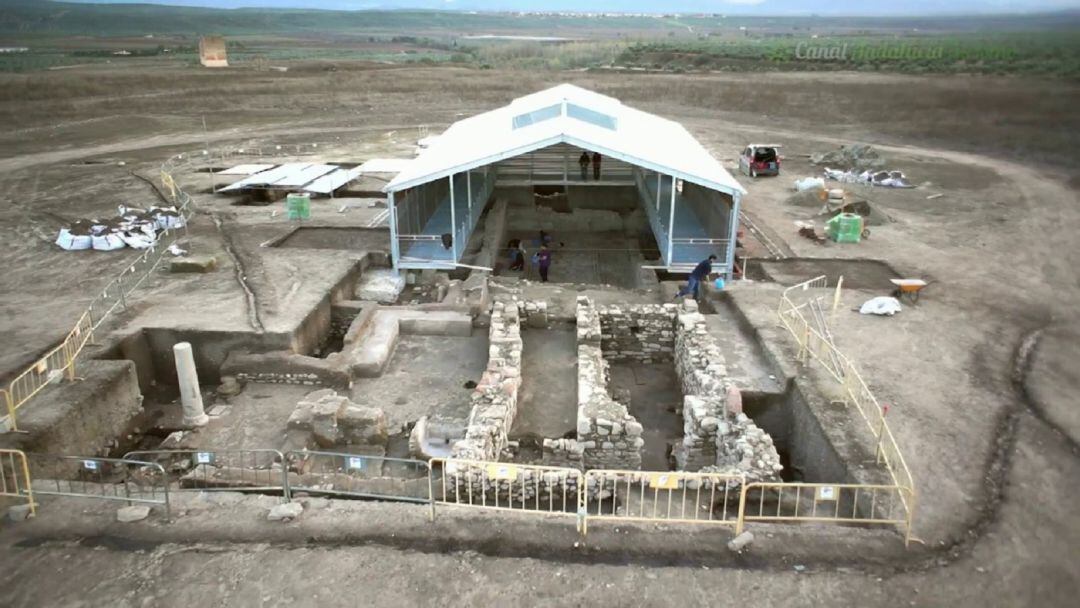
[(543, 262), (596, 166), (700, 273), (517, 256), (583, 162)]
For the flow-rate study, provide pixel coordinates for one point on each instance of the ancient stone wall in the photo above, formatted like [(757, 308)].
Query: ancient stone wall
[(284, 367), (718, 437), (606, 432), (643, 332), (494, 401), (563, 453), (531, 488)]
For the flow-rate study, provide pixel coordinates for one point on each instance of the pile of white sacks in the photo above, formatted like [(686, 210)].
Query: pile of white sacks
[(130, 228)]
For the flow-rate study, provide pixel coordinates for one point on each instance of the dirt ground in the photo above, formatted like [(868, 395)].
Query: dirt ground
[(980, 373)]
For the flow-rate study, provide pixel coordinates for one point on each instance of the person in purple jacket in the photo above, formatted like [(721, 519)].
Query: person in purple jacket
[(543, 261), (700, 273)]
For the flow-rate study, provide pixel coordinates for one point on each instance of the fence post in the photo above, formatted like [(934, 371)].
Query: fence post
[(30, 484), (431, 489), (741, 523), (285, 489), (881, 433), (10, 401)]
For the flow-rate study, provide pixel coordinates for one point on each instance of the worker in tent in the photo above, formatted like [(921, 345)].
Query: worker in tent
[(700, 273), (596, 166), (583, 162)]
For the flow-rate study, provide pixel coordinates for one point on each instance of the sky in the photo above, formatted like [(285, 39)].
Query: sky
[(732, 7)]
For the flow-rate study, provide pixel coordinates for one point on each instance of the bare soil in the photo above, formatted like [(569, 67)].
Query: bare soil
[(982, 409)]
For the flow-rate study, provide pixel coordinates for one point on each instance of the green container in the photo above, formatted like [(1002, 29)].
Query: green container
[(845, 228), (298, 206)]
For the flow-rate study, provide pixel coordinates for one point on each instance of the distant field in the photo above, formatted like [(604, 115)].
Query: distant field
[(59, 35)]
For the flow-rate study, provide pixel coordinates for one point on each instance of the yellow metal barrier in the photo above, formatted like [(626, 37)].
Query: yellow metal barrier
[(859, 504), (504, 486), (58, 362), (666, 496), (12, 467), (853, 388)]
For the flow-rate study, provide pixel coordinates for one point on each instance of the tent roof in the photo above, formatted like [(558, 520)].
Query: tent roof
[(573, 115)]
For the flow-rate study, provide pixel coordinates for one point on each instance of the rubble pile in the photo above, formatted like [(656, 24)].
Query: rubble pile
[(333, 420), (860, 157)]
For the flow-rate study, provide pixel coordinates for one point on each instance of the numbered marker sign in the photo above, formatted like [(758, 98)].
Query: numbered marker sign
[(356, 463), (664, 481), (502, 471), (90, 465), (826, 493), (204, 457)]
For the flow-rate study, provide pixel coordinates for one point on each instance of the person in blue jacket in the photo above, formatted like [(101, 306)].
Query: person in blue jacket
[(700, 273)]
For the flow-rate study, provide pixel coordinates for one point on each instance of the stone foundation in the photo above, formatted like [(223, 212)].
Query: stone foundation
[(643, 333), (718, 437), (494, 401), (607, 434), (563, 453)]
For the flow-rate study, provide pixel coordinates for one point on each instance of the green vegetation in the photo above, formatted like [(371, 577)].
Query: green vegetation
[(1044, 53), (65, 34)]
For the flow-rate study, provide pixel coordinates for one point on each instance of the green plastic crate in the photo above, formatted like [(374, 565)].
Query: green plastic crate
[(298, 206), (845, 228)]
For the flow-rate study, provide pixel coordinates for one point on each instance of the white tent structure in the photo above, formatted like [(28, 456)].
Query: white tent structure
[(691, 201)]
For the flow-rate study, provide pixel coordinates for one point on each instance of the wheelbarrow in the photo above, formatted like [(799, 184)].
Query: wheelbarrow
[(908, 288)]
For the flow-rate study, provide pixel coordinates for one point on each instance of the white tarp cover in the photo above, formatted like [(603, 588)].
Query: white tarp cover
[(245, 169), (332, 181), (573, 115), (881, 305), (884, 179), (289, 175), (809, 183), (385, 165)]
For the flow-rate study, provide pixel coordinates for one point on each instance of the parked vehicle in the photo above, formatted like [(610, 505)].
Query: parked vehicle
[(760, 159)]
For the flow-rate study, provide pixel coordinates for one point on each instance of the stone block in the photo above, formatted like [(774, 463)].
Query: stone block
[(133, 513), (366, 425), (285, 512), (193, 263), (18, 512)]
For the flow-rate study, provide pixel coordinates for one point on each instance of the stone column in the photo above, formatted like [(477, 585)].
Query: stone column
[(188, 378)]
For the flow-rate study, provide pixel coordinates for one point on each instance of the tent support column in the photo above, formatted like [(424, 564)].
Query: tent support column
[(671, 226), (733, 235), (394, 253), (659, 187), (453, 222), (468, 191)]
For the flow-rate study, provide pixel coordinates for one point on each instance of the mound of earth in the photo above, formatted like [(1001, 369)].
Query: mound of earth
[(855, 156)]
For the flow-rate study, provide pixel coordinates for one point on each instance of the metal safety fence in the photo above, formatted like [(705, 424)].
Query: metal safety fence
[(669, 496), (15, 477), (358, 476), (208, 470), (856, 504), (520, 488), (812, 343), (113, 479)]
